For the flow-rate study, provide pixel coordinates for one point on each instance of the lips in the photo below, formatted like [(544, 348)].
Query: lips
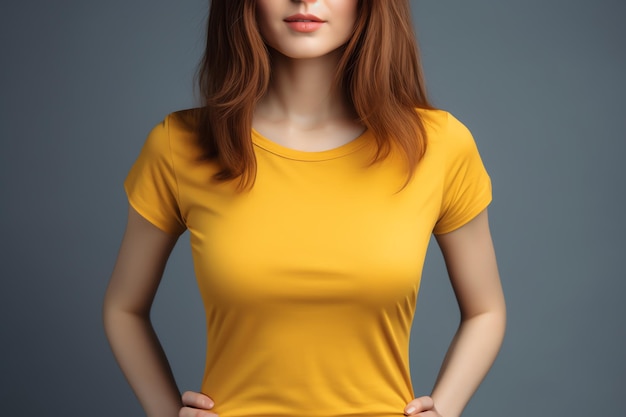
[(304, 23), (303, 18)]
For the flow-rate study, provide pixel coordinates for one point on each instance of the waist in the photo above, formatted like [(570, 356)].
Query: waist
[(315, 399)]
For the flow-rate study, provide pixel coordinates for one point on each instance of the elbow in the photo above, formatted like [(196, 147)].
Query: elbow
[(117, 315), (493, 320)]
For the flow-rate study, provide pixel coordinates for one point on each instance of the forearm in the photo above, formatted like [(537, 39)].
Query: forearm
[(471, 354), (143, 362)]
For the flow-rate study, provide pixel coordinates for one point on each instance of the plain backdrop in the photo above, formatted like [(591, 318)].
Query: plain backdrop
[(540, 83)]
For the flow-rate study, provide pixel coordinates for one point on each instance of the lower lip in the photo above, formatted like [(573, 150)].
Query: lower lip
[(305, 27)]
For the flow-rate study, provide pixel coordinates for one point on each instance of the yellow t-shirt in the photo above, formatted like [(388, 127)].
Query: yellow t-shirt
[(309, 280)]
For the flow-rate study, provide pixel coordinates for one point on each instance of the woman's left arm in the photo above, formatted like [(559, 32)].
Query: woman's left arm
[(471, 262)]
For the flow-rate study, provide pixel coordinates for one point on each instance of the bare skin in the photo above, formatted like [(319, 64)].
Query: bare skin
[(301, 110), (126, 311)]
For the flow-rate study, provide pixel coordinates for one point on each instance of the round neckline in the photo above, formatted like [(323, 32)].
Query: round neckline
[(355, 144)]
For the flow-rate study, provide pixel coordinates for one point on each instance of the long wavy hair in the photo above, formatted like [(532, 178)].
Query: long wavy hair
[(379, 72)]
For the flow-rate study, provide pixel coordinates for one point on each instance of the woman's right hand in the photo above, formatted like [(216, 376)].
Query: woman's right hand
[(196, 404)]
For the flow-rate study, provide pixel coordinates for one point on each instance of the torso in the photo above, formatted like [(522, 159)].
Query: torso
[(310, 279)]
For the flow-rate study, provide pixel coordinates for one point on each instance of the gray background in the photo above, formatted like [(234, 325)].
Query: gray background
[(540, 84)]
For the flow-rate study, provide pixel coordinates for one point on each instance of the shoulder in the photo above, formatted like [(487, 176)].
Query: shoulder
[(182, 125), (446, 134), (184, 121), (443, 126), (175, 134)]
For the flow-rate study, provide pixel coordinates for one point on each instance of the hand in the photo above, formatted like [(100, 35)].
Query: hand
[(422, 407), (196, 404)]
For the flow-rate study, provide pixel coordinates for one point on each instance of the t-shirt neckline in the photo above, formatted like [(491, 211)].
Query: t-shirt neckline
[(268, 145)]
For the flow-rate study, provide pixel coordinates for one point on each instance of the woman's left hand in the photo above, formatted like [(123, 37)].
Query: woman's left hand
[(196, 404), (421, 407)]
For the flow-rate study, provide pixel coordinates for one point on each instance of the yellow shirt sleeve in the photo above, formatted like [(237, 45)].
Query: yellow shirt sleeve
[(467, 186), (151, 184)]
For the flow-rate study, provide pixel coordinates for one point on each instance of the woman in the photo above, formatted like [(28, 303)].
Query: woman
[(310, 181)]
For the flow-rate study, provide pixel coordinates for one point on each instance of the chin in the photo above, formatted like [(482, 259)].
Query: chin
[(305, 53)]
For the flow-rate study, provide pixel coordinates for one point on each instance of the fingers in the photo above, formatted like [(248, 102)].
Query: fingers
[(197, 400), (420, 405), (196, 404)]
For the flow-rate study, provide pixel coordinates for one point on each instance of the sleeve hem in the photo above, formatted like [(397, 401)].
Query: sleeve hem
[(475, 211), (171, 156), (167, 228)]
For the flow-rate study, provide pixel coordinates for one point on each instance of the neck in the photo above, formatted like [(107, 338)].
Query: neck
[(302, 92)]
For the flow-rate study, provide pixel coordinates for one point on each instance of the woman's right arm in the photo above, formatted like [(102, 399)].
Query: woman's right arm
[(143, 254)]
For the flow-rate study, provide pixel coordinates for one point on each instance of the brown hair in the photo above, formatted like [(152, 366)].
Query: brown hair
[(379, 72)]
